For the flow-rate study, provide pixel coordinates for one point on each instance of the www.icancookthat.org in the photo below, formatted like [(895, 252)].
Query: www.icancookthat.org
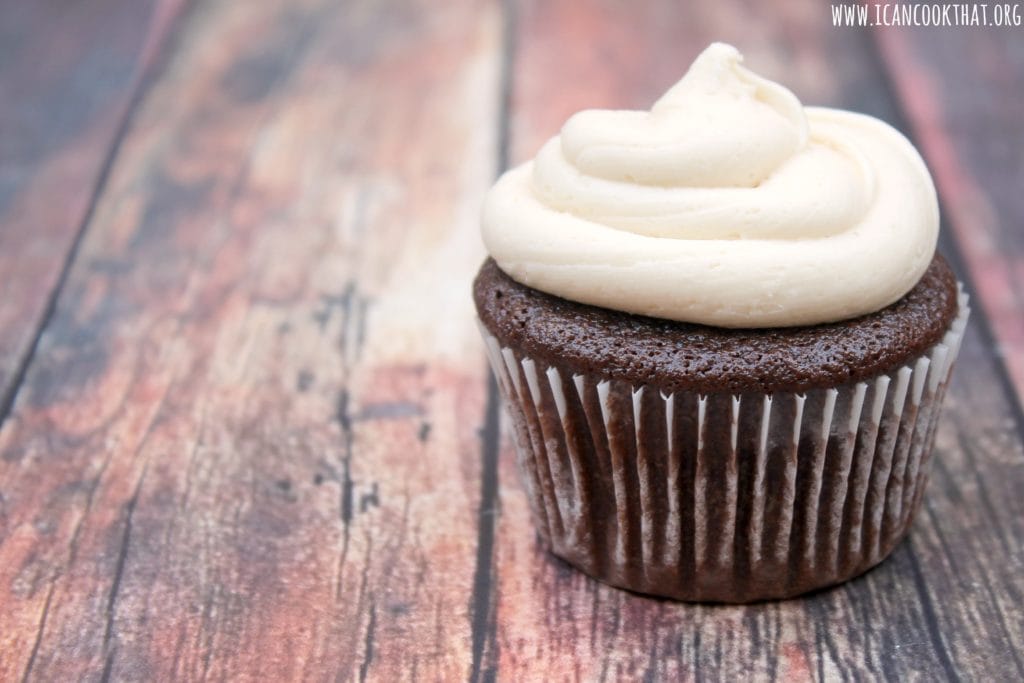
[(927, 14)]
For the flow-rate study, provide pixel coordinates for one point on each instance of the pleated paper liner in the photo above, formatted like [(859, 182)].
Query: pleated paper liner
[(720, 497)]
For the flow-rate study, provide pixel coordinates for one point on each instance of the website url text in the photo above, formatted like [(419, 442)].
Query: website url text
[(927, 14)]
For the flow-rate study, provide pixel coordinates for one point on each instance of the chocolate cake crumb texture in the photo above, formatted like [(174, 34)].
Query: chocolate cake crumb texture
[(678, 356)]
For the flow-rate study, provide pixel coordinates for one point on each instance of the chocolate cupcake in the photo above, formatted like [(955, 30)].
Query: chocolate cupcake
[(723, 337)]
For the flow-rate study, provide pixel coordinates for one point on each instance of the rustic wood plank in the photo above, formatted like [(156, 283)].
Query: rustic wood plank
[(963, 92), (247, 446), (946, 604), (69, 74)]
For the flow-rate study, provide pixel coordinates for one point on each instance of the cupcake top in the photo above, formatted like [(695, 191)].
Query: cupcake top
[(727, 204)]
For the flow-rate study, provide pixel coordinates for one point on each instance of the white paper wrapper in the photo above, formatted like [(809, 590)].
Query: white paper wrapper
[(722, 497)]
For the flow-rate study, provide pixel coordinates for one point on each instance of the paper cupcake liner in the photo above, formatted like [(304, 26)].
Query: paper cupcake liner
[(723, 497)]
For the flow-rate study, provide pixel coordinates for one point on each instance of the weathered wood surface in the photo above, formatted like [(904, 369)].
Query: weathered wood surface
[(69, 74), (256, 439), (247, 446), (963, 93)]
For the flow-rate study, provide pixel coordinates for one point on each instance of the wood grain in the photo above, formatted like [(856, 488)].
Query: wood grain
[(69, 75), (247, 446), (257, 441), (963, 93)]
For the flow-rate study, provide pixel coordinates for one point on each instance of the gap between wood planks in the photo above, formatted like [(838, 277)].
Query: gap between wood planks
[(483, 599), (158, 46)]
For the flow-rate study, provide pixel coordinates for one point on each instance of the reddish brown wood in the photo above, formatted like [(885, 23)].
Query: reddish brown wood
[(68, 75), (247, 445), (257, 441), (963, 92)]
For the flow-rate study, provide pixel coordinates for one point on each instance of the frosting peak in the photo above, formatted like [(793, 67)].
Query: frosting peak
[(720, 126), (728, 204)]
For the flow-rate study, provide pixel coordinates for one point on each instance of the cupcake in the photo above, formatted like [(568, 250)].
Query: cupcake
[(722, 335)]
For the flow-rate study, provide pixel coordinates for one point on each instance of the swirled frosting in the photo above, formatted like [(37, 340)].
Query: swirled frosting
[(727, 204)]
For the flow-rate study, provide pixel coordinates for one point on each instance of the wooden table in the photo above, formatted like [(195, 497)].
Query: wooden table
[(247, 427)]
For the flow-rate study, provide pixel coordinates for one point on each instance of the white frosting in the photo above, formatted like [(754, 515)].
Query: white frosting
[(727, 204)]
